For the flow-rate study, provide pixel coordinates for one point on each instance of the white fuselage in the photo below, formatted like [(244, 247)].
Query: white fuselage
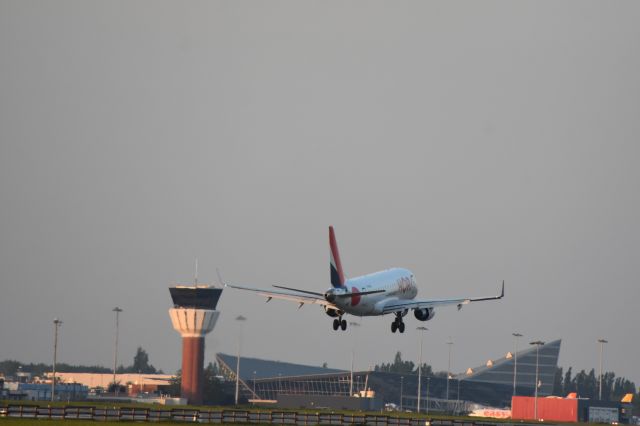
[(397, 283)]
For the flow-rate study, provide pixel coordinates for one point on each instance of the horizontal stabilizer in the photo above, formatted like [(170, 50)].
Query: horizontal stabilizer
[(363, 293)]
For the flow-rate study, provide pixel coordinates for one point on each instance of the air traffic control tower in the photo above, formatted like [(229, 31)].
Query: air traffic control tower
[(193, 316)]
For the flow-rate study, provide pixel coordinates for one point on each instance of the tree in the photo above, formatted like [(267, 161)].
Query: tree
[(404, 367), (621, 387), (10, 367), (426, 370), (607, 385), (580, 383), (174, 388), (398, 366), (567, 383), (557, 382), (214, 391), (592, 385), (141, 363), (122, 389)]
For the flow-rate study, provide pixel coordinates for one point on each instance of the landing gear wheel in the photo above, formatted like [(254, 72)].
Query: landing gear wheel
[(336, 324), (394, 326), (401, 327), (343, 324)]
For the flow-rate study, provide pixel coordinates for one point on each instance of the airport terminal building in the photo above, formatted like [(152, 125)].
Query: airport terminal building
[(491, 383)]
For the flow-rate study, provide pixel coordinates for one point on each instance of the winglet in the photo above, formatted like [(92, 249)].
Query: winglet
[(479, 299)]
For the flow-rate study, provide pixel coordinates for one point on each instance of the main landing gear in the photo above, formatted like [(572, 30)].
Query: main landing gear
[(397, 324), (339, 323)]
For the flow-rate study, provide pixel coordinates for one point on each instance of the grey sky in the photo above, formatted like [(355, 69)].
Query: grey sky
[(468, 141)]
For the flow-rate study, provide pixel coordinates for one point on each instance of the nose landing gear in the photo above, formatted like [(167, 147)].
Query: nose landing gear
[(339, 323)]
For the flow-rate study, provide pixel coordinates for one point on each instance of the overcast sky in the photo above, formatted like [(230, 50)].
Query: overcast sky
[(470, 142)]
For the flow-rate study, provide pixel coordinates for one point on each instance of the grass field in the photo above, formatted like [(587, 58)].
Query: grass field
[(155, 407), (46, 422)]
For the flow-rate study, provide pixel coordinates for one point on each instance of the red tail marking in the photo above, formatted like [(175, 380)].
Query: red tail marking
[(336, 255)]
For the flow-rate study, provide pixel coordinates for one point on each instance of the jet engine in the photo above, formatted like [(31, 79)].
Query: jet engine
[(424, 314), (333, 312)]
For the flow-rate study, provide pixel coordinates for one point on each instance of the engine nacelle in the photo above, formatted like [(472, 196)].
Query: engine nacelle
[(333, 312), (424, 314)]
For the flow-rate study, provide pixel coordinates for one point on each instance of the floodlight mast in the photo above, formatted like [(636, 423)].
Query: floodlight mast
[(450, 343), (515, 361), (354, 324), (117, 310), (537, 344), (241, 320), (422, 330), (56, 325), (602, 342)]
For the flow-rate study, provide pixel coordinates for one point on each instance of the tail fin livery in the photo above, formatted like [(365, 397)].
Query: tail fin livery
[(337, 276)]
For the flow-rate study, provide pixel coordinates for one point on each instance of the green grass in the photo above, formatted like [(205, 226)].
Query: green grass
[(253, 408), (47, 422), (157, 407)]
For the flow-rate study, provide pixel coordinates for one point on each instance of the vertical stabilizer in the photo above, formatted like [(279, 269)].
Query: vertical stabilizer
[(337, 276)]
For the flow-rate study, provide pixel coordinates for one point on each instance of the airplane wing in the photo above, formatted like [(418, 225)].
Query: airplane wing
[(300, 296), (398, 305)]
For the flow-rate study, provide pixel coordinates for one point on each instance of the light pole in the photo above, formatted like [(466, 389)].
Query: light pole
[(450, 343), (254, 384), (537, 344), (401, 390), (241, 319), (422, 330), (56, 325), (602, 342), (117, 310), (458, 394), (515, 360), (354, 324), (428, 381)]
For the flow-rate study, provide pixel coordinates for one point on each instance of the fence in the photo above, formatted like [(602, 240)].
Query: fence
[(221, 416)]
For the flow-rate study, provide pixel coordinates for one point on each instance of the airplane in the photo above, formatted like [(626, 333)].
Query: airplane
[(392, 291)]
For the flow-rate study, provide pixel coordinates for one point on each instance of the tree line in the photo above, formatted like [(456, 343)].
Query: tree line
[(585, 384), (9, 368), (407, 367)]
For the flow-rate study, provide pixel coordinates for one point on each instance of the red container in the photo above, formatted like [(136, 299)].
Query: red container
[(553, 409)]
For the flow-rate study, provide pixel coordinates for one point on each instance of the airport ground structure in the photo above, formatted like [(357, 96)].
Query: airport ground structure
[(572, 409), (193, 316), (489, 384), (74, 386), (42, 391)]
